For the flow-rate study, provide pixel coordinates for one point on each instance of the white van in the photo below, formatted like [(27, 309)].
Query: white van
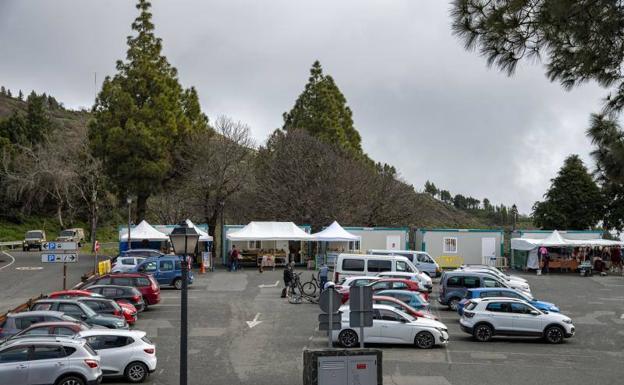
[(420, 259), (368, 265)]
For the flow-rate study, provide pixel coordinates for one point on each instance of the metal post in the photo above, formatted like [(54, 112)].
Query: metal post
[(184, 320), (361, 290), (129, 209), (330, 319), (64, 276), (95, 264)]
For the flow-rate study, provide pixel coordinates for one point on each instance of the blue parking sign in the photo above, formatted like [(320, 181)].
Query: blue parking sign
[(51, 257)]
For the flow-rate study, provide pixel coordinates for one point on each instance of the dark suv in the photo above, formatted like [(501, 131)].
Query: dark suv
[(129, 294), (145, 283), (81, 311)]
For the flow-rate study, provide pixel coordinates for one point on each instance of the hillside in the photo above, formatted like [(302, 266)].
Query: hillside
[(433, 213), (64, 118)]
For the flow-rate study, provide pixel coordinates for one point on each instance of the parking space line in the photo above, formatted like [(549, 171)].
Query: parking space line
[(12, 260)]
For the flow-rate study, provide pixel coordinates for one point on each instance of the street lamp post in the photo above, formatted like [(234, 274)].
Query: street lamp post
[(129, 201), (184, 241)]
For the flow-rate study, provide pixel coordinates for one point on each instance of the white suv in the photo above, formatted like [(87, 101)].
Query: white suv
[(124, 353), (49, 360), (487, 317)]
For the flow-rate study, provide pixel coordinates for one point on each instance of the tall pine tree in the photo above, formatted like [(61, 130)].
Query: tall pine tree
[(142, 115), (322, 110), (573, 201)]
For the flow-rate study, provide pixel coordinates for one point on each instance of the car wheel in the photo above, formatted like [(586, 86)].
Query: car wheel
[(136, 372), (177, 283), (454, 304), (554, 334), (424, 340), (483, 333), (348, 338), (70, 380)]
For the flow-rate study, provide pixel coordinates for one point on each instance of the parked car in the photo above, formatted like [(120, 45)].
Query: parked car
[(16, 322), (80, 311), (504, 292), (361, 264), (355, 280), (110, 307), (412, 298), (72, 235), (129, 310), (145, 283), (52, 360), (454, 284), (384, 284), (34, 239), (121, 294), (166, 269), (423, 279), (514, 284), (421, 259), (495, 270), (123, 353), (392, 326), (144, 253), (398, 304), (126, 264), (485, 318), (55, 328)]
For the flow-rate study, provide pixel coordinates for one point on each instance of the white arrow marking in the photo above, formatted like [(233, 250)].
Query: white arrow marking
[(273, 285), (255, 321), (622, 316)]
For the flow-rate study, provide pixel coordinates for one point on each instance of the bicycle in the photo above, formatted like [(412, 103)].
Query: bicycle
[(298, 298), (311, 286)]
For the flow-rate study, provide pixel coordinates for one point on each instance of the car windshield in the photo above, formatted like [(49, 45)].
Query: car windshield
[(67, 233), (34, 234), (88, 311)]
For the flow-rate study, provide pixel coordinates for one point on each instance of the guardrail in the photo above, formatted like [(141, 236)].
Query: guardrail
[(20, 308), (11, 244)]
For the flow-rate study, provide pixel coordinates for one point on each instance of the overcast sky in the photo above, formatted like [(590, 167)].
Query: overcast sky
[(420, 101)]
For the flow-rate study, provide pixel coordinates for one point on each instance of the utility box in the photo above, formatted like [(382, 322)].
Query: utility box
[(342, 367)]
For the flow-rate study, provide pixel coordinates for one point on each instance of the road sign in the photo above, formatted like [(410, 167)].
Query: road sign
[(324, 317), (325, 325), (324, 301), (361, 319), (59, 258), (59, 246), (360, 298)]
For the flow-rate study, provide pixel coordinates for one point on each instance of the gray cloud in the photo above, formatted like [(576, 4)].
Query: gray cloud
[(420, 101)]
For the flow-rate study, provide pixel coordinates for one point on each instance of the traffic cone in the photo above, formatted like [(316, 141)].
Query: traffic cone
[(202, 268)]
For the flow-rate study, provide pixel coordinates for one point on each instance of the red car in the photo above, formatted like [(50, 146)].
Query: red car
[(61, 328), (127, 309), (398, 304), (145, 283), (388, 284)]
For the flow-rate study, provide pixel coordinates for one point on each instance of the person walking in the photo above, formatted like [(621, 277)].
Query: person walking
[(616, 259), (233, 258), (543, 254), (323, 273), (288, 276)]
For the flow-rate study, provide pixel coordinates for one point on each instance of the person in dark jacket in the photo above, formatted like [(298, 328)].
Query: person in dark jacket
[(288, 276)]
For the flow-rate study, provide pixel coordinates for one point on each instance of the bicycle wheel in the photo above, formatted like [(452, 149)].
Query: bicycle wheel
[(295, 299), (308, 288)]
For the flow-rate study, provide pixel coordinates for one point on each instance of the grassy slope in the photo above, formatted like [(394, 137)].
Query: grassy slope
[(433, 213)]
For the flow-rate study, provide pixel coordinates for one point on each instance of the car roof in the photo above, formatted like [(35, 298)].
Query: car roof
[(36, 312), (142, 251), (396, 251), (60, 300), (397, 273), (53, 323), (352, 277), (395, 291), (498, 299), (465, 272), (392, 280), (482, 289), (47, 339), (112, 332), (124, 275), (113, 286)]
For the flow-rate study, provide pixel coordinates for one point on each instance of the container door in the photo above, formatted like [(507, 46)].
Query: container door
[(393, 242), (488, 251)]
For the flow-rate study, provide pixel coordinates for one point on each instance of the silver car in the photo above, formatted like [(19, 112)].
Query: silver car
[(126, 264), (51, 360)]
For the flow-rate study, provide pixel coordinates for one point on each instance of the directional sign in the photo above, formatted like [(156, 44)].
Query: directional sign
[(59, 246), (59, 258), (361, 319)]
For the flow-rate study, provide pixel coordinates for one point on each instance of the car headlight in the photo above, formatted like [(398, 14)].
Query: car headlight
[(568, 321), (442, 330)]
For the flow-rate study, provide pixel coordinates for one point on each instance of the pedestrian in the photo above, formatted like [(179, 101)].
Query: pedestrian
[(288, 275), (543, 253), (616, 259), (233, 258), (323, 272)]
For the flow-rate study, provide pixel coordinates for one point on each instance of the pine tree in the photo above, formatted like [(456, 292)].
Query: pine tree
[(8, 93), (322, 110), (20, 96), (38, 122), (142, 115), (2, 90), (431, 189), (573, 201), (446, 196)]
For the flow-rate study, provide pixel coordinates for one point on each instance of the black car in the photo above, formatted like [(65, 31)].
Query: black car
[(80, 311), (129, 294), (102, 305)]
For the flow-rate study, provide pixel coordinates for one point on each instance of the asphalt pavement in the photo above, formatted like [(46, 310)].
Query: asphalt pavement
[(227, 347)]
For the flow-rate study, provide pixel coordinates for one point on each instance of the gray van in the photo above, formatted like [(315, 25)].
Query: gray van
[(455, 284), (420, 259)]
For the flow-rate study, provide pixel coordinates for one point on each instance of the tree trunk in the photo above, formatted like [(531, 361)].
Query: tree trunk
[(141, 207), (93, 219), (59, 213)]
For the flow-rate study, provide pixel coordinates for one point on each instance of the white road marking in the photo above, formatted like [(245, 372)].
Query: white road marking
[(255, 321), (29, 268), (12, 260), (622, 316), (273, 285)]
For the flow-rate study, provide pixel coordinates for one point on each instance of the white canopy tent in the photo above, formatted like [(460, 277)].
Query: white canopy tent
[(335, 233), (142, 231), (203, 236), (270, 231), (556, 240)]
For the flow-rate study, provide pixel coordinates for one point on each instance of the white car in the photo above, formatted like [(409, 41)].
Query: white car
[(392, 326), (514, 284), (123, 353), (356, 280), (496, 271), (485, 318), (423, 279), (126, 264)]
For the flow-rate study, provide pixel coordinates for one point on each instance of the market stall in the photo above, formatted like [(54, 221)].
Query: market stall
[(276, 243), (563, 253), (334, 240), (143, 236)]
